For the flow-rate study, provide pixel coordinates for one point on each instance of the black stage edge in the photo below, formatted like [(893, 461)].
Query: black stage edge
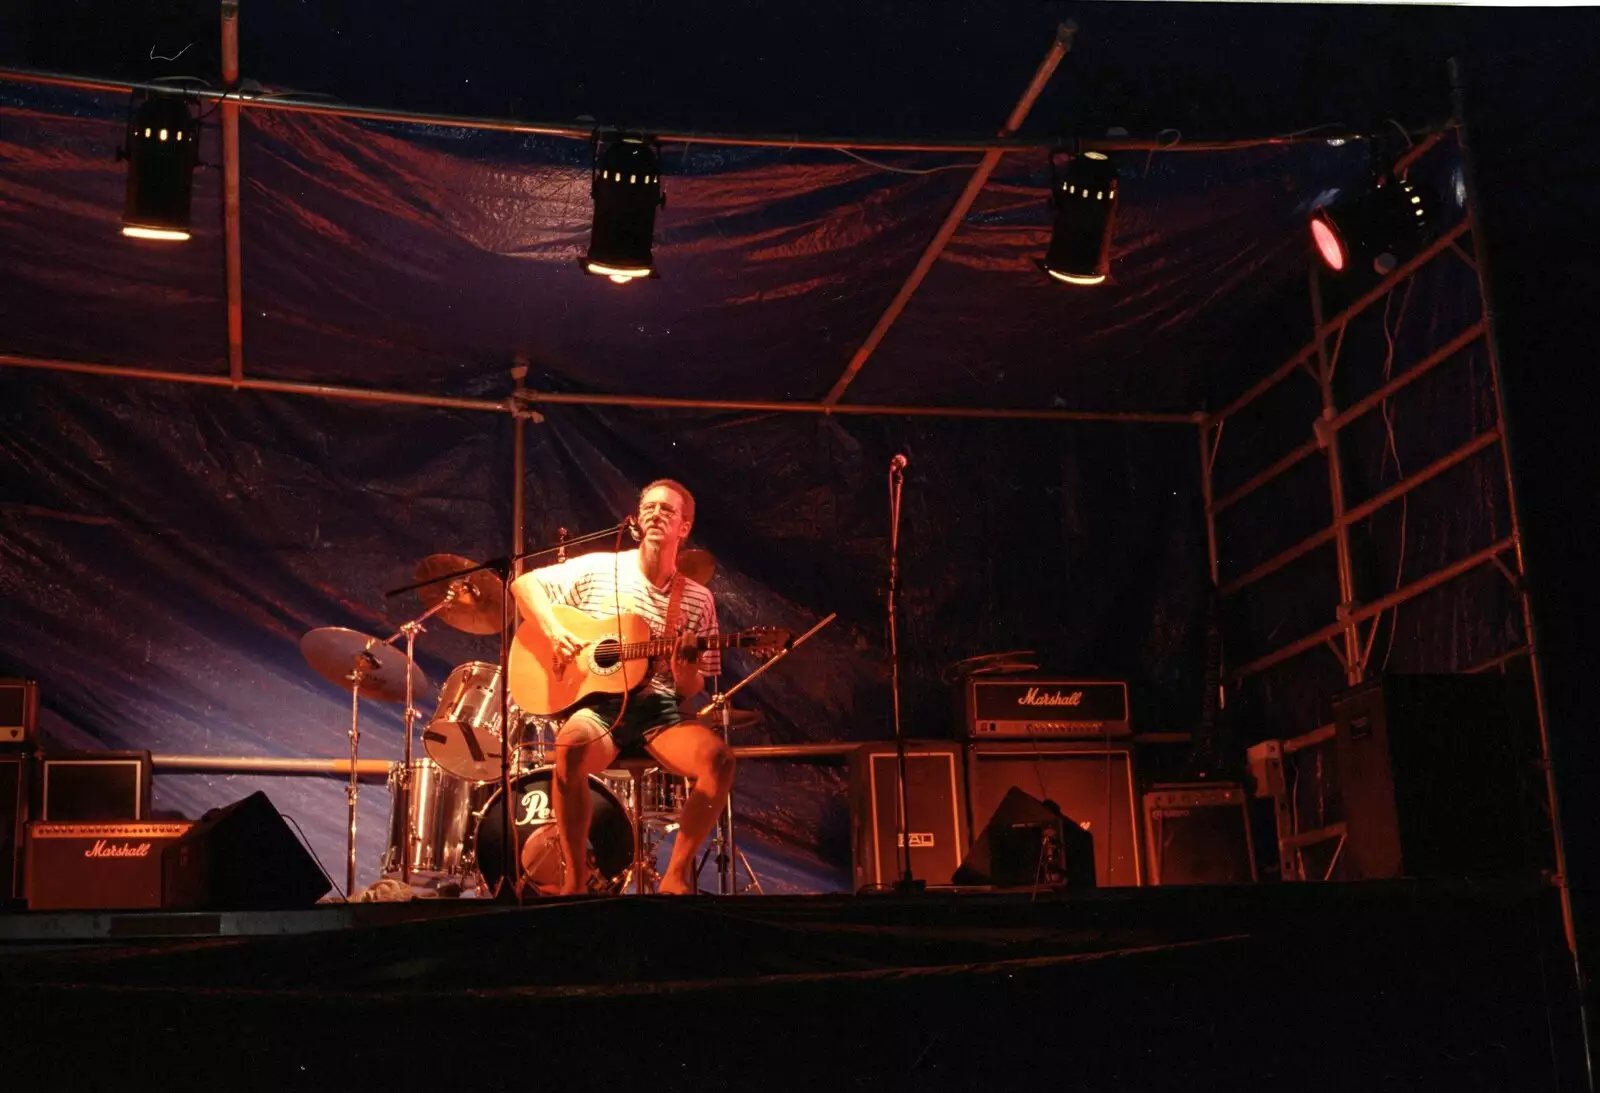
[(1375, 986)]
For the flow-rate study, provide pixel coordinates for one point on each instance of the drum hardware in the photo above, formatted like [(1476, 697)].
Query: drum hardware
[(727, 850), (363, 665)]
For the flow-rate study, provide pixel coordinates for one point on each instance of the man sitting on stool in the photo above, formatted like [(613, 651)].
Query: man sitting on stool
[(641, 582)]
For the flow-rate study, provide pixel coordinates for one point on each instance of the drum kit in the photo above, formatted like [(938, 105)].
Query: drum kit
[(446, 817)]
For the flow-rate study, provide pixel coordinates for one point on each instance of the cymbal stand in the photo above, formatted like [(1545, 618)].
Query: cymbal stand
[(727, 851), (410, 630), (352, 792)]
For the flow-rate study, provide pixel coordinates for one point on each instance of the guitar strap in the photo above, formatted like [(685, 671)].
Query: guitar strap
[(674, 609)]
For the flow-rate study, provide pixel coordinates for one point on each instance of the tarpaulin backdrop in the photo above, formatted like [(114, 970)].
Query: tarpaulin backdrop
[(165, 547)]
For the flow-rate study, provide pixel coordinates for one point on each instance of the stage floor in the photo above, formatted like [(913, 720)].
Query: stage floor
[(1393, 985)]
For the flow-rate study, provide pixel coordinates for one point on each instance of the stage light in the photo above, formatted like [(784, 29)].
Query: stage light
[(627, 193), (162, 150), (1085, 204), (1380, 227)]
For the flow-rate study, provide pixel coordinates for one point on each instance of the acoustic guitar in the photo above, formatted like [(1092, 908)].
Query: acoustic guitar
[(614, 658)]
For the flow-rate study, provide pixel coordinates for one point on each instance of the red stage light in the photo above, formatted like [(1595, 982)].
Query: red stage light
[(1326, 236)]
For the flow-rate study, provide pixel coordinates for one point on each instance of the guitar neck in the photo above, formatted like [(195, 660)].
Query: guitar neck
[(660, 647)]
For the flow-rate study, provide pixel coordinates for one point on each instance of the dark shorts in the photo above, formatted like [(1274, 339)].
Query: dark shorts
[(647, 714)]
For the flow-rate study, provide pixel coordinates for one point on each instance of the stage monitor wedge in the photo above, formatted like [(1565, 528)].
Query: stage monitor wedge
[(241, 858)]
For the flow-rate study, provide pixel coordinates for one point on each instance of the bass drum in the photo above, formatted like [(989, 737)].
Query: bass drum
[(610, 836)]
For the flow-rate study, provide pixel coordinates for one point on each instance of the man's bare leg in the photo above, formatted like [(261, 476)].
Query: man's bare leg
[(694, 750), (582, 749)]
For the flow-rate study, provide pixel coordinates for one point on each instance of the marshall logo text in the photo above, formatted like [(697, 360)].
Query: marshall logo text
[(104, 849), (1035, 697)]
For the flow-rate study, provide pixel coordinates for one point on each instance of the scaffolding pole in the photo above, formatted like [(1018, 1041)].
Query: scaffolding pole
[(522, 399), (958, 211), (230, 188), (786, 141)]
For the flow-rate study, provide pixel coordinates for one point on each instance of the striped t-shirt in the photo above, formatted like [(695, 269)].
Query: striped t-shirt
[(589, 583)]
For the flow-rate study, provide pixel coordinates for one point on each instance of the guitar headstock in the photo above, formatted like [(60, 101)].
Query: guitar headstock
[(763, 641)]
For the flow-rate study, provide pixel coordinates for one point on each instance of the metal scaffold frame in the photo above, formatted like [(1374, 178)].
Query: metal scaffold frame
[(1315, 359)]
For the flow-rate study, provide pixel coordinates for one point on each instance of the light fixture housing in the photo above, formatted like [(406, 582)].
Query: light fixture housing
[(162, 150), (1377, 229), (626, 185), (1084, 199)]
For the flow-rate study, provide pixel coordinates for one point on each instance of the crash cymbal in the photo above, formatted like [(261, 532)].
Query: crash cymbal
[(337, 653), (697, 565), (480, 597)]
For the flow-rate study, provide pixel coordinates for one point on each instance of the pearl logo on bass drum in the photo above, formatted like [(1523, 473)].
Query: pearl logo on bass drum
[(1027, 708)]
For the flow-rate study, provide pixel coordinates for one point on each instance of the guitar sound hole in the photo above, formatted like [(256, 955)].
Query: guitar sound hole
[(605, 654)]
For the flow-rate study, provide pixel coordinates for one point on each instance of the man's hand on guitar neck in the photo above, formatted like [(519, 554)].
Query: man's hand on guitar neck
[(686, 663)]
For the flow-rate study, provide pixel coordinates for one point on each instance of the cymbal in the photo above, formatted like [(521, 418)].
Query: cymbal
[(480, 600), (737, 719), (697, 565), (336, 653)]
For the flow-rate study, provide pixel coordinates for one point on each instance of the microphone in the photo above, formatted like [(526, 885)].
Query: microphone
[(898, 463), (633, 528)]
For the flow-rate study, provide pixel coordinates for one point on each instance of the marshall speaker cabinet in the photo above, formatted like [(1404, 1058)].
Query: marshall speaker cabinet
[(935, 805), (1044, 708), (100, 867), (1091, 784)]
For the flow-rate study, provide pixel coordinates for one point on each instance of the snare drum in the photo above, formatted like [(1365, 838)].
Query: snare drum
[(440, 815), (464, 734), (661, 794)]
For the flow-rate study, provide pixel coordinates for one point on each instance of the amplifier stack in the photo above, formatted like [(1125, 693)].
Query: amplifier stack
[(1047, 762)]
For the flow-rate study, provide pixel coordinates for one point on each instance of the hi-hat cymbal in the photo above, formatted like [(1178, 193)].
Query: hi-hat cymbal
[(697, 565), (480, 597), (339, 654)]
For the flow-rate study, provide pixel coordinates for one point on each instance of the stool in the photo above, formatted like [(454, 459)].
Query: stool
[(635, 767)]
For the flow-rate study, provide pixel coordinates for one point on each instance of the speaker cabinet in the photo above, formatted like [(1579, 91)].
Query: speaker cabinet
[(14, 770), (1431, 776), (1198, 834), (1092, 784), (94, 787), (935, 807), (241, 858), (19, 712)]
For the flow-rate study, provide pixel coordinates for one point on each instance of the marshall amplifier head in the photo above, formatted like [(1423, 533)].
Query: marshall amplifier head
[(1044, 707)]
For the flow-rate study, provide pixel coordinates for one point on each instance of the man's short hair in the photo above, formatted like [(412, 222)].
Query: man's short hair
[(680, 489)]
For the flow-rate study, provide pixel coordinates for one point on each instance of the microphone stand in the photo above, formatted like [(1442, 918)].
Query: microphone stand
[(504, 566), (729, 854), (907, 883)]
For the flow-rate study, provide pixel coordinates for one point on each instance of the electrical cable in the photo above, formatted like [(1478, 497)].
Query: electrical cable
[(307, 844)]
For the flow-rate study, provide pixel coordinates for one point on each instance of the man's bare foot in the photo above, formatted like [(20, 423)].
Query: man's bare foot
[(675, 886)]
